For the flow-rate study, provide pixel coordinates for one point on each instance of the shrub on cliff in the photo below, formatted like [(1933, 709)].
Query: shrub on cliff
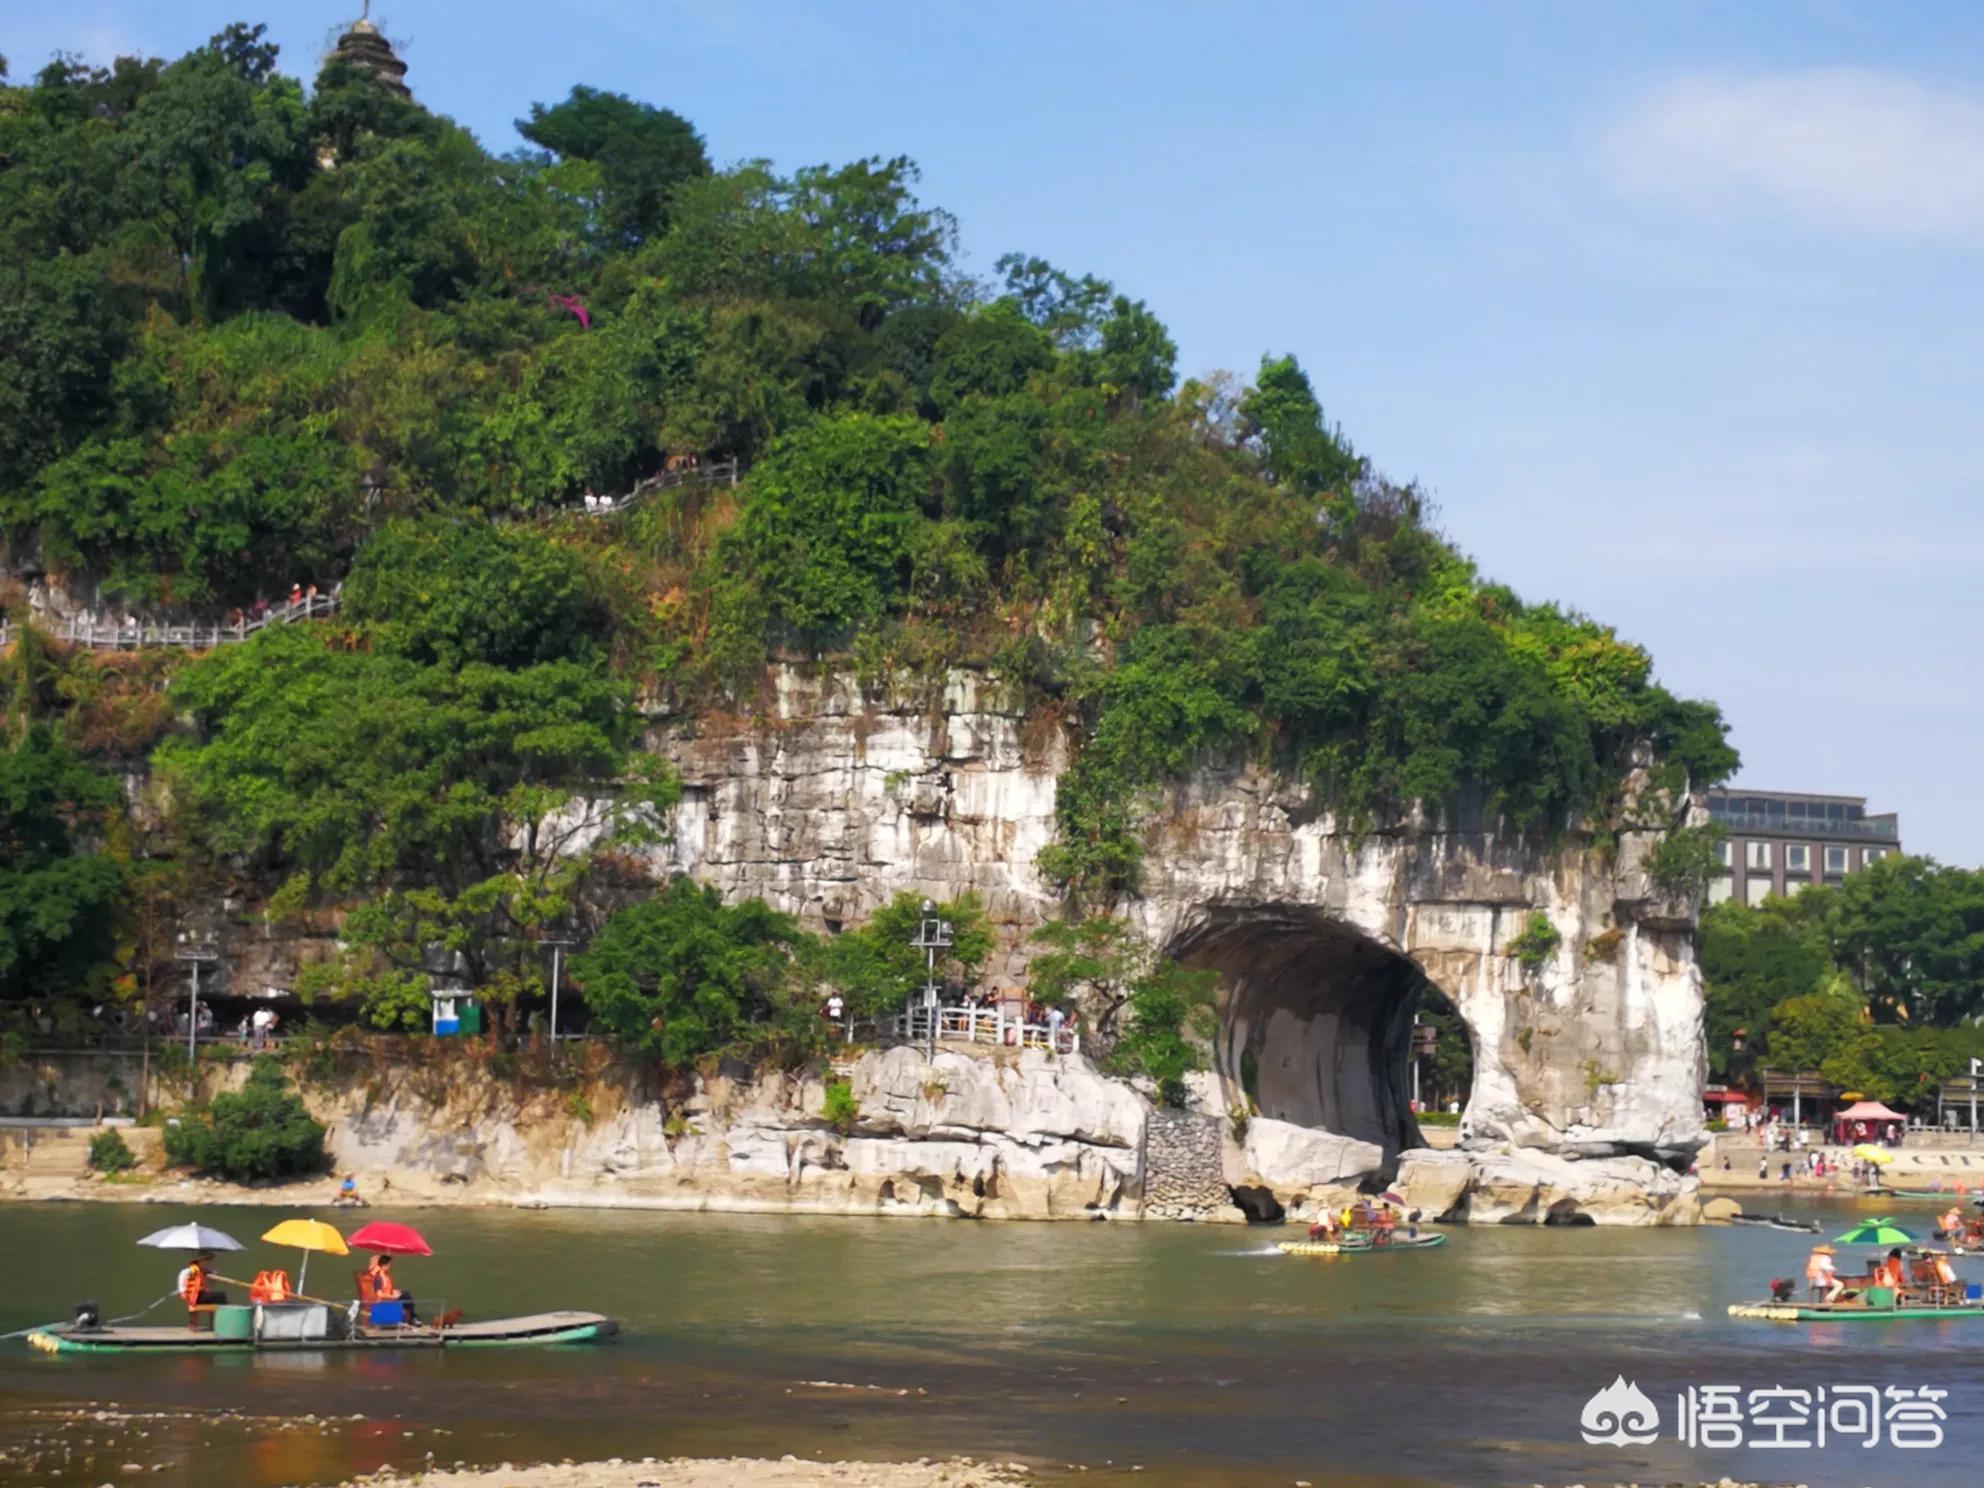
[(262, 1131), (685, 975), (1170, 1018), (110, 1153)]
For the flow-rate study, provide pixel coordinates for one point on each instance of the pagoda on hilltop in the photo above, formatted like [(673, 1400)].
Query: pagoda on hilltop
[(364, 45)]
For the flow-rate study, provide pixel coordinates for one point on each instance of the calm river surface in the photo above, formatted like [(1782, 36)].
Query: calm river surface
[(1199, 1354)]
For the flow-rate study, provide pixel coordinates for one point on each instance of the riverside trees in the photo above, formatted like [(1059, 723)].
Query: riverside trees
[(1878, 983), (253, 333)]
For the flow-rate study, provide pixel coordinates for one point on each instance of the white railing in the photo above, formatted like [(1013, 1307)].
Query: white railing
[(132, 634), (966, 1025), (723, 473)]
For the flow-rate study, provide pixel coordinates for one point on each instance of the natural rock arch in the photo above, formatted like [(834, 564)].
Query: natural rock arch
[(1315, 1019)]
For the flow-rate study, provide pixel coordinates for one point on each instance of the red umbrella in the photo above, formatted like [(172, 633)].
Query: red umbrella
[(391, 1239)]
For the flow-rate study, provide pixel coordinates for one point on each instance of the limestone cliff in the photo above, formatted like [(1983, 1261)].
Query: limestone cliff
[(833, 798)]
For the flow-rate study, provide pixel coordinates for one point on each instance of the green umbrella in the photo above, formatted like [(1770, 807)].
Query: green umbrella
[(1876, 1232)]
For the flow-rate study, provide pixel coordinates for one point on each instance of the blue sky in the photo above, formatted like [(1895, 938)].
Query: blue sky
[(1673, 308)]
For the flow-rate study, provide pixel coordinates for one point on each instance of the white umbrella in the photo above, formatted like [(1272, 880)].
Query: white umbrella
[(191, 1237)]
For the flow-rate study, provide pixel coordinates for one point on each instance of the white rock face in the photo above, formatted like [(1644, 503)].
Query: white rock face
[(1531, 1187), (1304, 1168), (1025, 1136), (836, 799)]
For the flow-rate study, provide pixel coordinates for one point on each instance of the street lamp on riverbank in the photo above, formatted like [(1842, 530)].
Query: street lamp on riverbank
[(196, 948), (932, 935)]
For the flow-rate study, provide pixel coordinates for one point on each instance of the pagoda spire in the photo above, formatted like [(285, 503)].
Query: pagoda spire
[(364, 46)]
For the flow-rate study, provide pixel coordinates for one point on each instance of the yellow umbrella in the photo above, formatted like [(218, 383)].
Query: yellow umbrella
[(307, 1235), (1870, 1153)]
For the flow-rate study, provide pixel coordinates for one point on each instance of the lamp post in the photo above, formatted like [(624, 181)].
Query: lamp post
[(932, 935), (557, 949), (1415, 1060), (196, 948)]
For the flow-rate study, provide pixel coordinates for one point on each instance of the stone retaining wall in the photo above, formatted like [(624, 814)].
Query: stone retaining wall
[(1184, 1172)]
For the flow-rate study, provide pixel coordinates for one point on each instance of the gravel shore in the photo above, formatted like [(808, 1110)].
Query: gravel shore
[(714, 1472)]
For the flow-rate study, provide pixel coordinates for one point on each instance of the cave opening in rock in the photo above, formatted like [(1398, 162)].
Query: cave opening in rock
[(1442, 1055), (1316, 1023)]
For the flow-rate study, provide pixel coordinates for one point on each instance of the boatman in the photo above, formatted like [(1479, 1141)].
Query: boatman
[(193, 1286), (1821, 1275), (1952, 1223)]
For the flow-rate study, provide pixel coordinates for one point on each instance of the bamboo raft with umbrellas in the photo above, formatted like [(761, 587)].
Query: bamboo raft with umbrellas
[(278, 1318), (1929, 1289)]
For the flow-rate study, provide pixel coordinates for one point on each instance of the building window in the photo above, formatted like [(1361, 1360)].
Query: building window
[(1725, 852), (1797, 858), (1835, 860), (1756, 890), (1756, 855), (1721, 890), (1872, 855)]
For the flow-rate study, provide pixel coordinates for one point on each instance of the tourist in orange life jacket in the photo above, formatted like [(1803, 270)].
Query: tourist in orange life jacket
[(1945, 1272), (192, 1284), (1890, 1272), (381, 1272)]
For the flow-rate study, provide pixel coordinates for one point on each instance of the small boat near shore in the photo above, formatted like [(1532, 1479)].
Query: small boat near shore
[(532, 1328), (1360, 1247), (1775, 1222)]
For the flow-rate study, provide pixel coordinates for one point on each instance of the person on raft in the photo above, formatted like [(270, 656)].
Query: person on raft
[(1893, 1274), (1822, 1276), (381, 1272), (192, 1285), (1325, 1228)]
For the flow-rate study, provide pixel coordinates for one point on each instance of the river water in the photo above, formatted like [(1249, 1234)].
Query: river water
[(1198, 1354)]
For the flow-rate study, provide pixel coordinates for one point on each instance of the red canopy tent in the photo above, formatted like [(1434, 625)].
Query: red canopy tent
[(1865, 1119)]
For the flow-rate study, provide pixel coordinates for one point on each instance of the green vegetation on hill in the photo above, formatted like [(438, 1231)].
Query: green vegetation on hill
[(253, 334)]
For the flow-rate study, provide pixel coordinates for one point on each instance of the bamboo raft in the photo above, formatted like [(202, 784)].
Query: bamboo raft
[(1850, 1312), (1358, 1247), (516, 1332)]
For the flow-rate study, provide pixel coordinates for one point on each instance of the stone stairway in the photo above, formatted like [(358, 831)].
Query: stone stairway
[(47, 1153)]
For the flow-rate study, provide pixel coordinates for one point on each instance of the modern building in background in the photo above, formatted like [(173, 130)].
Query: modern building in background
[(1781, 841)]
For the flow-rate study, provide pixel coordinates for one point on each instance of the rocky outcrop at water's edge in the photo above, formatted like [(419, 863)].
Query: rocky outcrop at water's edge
[(1016, 1135), (1011, 1135)]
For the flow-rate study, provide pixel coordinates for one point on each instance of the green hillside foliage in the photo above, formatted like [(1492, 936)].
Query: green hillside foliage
[(256, 333), (1877, 982)]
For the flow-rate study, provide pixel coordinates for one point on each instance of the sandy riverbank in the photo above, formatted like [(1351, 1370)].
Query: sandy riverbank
[(716, 1472)]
